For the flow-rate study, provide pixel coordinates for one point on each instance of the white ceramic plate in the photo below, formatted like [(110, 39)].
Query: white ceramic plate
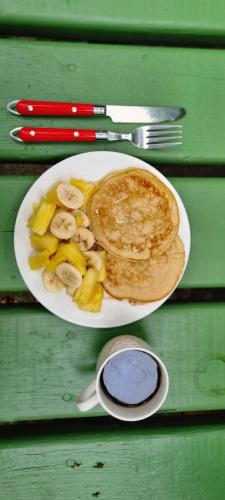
[(91, 167)]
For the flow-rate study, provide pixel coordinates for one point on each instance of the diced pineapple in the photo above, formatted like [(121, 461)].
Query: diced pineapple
[(85, 187), (74, 256), (39, 260), (85, 292), (45, 242), (95, 303), (57, 259), (34, 213), (102, 275), (52, 195), (79, 220), (43, 217)]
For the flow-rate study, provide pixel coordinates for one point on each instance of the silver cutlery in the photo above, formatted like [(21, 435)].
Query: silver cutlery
[(147, 137), (122, 114)]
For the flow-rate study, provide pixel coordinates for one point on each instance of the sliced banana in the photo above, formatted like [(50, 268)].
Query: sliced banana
[(94, 260), (84, 218), (70, 276), (84, 237), (70, 290), (63, 225), (52, 282), (69, 196)]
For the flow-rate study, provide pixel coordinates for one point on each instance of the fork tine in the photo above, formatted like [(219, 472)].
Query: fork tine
[(162, 127), (163, 145), (152, 140), (162, 132)]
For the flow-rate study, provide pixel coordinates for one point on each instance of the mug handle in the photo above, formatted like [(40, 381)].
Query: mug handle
[(88, 397)]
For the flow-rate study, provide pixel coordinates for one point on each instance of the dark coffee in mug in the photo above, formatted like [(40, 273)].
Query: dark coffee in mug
[(131, 378)]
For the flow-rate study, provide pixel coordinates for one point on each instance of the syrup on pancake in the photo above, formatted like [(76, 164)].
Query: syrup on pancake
[(133, 214)]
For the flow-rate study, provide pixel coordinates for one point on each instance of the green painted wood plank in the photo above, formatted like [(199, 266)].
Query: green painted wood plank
[(174, 22), (192, 78), (130, 464), (12, 191), (203, 198), (45, 362)]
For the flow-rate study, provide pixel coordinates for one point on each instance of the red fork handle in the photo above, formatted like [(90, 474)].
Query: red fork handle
[(46, 108), (33, 134)]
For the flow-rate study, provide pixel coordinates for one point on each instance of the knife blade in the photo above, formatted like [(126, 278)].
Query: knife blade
[(118, 114), (143, 114)]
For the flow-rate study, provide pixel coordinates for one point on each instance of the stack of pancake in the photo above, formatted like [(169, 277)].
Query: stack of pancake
[(135, 218)]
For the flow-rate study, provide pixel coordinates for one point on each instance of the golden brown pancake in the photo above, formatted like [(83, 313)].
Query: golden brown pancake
[(133, 214), (148, 280)]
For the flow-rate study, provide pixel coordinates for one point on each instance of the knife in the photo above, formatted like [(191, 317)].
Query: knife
[(119, 114)]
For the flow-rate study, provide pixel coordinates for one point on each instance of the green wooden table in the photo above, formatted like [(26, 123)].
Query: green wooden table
[(165, 53)]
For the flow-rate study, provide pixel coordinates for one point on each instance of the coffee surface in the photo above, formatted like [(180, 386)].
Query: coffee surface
[(131, 378)]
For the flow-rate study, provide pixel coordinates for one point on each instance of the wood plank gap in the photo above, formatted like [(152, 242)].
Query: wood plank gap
[(167, 170), (95, 424), (181, 295), (13, 32)]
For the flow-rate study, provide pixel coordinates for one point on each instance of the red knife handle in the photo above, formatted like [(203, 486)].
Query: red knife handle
[(34, 134), (45, 108)]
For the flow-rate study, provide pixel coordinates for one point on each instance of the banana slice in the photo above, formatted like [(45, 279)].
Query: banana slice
[(69, 196), (94, 260), (82, 217), (70, 276), (63, 225), (84, 237), (51, 281), (70, 290)]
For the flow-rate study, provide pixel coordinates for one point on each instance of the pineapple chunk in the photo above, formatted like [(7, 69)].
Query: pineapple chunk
[(45, 242), (102, 275), (74, 256), (85, 292), (39, 260), (85, 187), (34, 213), (78, 220), (52, 195), (57, 259), (43, 217), (95, 303)]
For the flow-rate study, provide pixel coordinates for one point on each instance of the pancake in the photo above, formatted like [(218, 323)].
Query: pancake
[(145, 281), (133, 214)]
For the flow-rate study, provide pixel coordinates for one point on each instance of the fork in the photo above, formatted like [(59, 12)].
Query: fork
[(147, 137)]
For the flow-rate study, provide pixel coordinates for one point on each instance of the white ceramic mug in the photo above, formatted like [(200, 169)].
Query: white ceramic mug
[(94, 393)]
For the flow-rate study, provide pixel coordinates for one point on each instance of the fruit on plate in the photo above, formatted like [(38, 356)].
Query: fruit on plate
[(94, 305), (69, 195), (85, 292), (65, 245), (85, 187), (84, 237), (103, 273), (70, 276), (56, 260), (52, 195), (63, 225), (51, 281), (98, 261), (81, 218), (39, 260), (94, 259), (74, 256), (42, 217), (45, 242)]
